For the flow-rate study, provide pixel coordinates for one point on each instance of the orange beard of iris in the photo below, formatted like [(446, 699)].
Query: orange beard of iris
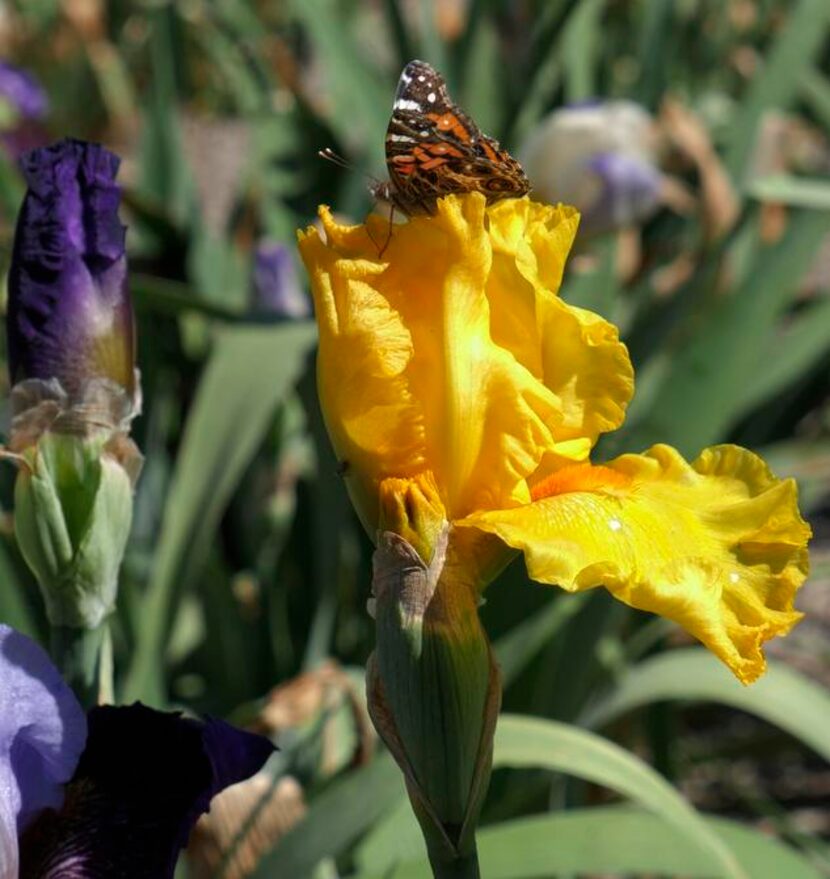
[(579, 477)]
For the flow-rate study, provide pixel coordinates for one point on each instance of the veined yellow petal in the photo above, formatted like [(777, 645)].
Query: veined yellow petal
[(718, 546), (410, 375), (375, 424)]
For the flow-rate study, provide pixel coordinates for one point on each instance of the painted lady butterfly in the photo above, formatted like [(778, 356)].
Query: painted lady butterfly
[(433, 148)]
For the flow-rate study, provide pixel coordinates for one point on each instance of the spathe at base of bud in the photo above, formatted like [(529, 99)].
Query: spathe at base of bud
[(73, 493), (434, 694)]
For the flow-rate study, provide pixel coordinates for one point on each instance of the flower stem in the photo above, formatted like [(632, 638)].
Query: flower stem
[(77, 653), (463, 867)]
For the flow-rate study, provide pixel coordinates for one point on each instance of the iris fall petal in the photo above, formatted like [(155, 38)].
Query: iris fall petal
[(42, 734), (718, 546)]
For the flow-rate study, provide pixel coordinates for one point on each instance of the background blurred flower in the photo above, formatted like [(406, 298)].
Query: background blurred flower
[(22, 92), (139, 778), (276, 287), (23, 107), (599, 157)]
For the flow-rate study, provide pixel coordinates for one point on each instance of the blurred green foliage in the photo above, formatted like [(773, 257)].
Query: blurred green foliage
[(246, 565)]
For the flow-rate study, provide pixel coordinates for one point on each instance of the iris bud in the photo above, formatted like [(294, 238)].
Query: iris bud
[(75, 388)]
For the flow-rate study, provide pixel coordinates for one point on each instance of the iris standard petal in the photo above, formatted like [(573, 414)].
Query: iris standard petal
[(69, 314), (411, 377), (42, 734), (142, 782), (574, 352), (718, 546)]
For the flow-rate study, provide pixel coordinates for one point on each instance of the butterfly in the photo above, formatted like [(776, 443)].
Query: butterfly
[(433, 148)]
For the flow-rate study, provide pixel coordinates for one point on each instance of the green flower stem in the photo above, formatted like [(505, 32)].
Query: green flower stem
[(77, 653), (460, 868)]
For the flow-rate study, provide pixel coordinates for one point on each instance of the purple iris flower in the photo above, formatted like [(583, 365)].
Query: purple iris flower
[(276, 286), (70, 316), (23, 92), (42, 734), (138, 779)]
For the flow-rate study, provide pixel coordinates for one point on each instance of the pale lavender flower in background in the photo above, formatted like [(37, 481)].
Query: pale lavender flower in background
[(23, 92), (276, 286), (601, 158), (24, 106)]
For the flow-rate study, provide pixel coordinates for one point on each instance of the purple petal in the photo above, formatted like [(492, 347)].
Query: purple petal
[(276, 285), (143, 780), (70, 315), (42, 734), (23, 92), (629, 193)]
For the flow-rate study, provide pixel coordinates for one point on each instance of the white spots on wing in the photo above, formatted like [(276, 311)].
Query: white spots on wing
[(431, 97), (406, 79), (404, 104), (424, 132), (615, 524), (422, 79), (402, 138)]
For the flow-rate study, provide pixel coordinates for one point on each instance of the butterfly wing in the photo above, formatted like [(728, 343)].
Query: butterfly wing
[(433, 147)]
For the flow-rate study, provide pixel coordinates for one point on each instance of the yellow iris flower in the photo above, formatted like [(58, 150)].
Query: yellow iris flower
[(451, 358)]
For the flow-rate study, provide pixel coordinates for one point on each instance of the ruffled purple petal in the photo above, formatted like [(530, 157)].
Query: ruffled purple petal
[(42, 734), (23, 92), (70, 315), (143, 780), (276, 286)]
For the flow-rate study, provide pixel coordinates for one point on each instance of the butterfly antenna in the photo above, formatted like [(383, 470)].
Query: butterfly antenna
[(335, 158)]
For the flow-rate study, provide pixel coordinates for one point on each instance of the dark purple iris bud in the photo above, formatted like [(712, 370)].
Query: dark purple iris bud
[(142, 782), (70, 316), (276, 285), (23, 92)]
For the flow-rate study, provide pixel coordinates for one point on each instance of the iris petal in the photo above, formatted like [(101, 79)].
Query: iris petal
[(142, 782), (718, 546), (42, 733), (411, 371)]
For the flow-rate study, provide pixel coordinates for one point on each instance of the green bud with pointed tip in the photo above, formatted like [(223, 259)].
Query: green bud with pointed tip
[(73, 510)]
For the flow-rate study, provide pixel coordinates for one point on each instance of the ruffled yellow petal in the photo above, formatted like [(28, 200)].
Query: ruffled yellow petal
[(575, 353), (718, 546), (410, 375), (375, 424)]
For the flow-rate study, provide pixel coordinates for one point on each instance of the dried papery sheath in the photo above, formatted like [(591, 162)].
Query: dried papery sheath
[(75, 388)]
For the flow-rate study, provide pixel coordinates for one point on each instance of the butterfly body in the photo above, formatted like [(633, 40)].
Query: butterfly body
[(433, 149)]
